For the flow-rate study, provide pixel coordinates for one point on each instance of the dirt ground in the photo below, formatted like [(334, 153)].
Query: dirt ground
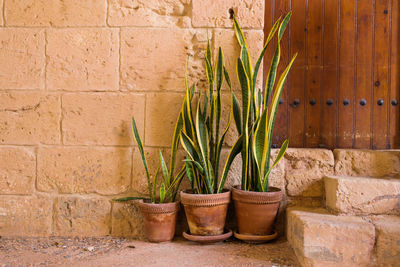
[(110, 251)]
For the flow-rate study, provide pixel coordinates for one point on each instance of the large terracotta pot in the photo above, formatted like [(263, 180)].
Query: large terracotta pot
[(256, 211), (159, 220), (206, 213)]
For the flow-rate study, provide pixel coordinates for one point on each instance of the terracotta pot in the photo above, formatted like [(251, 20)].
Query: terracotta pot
[(256, 211), (206, 213), (159, 220)]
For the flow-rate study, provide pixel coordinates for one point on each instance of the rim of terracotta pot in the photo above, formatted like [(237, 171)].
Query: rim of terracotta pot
[(158, 207), (272, 196), (205, 200)]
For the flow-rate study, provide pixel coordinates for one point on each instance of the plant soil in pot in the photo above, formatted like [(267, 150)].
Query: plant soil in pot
[(256, 211), (206, 213), (159, 220)]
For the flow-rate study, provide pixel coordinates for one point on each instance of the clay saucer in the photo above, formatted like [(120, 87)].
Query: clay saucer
[(256, 239), (207, 239)]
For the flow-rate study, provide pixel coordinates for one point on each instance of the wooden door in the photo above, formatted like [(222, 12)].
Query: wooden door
[(343, 90)]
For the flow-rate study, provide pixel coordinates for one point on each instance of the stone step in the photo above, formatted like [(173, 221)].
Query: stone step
[(367, 163), (362, 195), (321, 239), (387, 229)]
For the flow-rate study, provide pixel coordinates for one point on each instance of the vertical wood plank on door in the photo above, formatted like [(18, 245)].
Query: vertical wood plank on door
[(329, 84), (394, 110), (381, 75), (346, 74), (364, 70), (297, 75), (282, 7), (314, 73)]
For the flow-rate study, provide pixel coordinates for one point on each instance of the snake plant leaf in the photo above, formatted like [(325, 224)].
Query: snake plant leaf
[(177, 182), (275, 101), (210, 179), (210, 75), (272, 74), (189, 172), (284, 23), (280, 155), (202, 137), (236, 113), (237, 147), (219, 147), (261, 56), (260, 143), (219, 70), (153, 193), (175, 142), (189, 147), (162, 193), (197, 164), (208, 50), (140, 146), (123, 199), (277, 94), (244, 48), (164, 169), (227, 79), (246, 103)]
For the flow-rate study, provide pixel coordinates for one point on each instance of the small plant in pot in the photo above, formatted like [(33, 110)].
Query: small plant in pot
[(160, 212), (256, 203), (207, 202)]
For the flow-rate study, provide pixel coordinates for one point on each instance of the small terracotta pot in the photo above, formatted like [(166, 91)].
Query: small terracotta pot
[(159, 220), (206, 213), (256, 211)]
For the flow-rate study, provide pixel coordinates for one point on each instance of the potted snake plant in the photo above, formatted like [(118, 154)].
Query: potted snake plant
[(160, 210), (256, 203), (207, 202)]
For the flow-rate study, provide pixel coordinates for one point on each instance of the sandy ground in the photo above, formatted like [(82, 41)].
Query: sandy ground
[(122, 252)]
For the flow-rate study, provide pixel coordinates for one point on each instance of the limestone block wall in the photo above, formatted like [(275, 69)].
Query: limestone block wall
[(73, 72)]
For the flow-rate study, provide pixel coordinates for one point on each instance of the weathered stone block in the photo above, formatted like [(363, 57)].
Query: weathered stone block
[(55, 13), (209, 13), (82, 59), (78, 216), (305, 170), (154, 59), (367, 163), (17, 170), (25, 216), (162, 112), (105, 171), (362, 196), (103, 119), (153, 13), (29, 118), (127, 220), (320, 239), (388, 239), (226, 39), (22, 57)]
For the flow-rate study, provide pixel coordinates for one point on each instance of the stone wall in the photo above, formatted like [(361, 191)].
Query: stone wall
[(72, 74)]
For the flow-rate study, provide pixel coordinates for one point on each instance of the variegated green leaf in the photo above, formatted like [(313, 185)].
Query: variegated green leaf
[(237, 147), (162, 193), (142, 155)]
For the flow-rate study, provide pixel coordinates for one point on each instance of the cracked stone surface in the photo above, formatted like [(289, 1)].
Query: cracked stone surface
[(122, 252)]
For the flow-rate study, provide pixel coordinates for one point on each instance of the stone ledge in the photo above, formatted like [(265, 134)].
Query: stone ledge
[(362, 196), (387, 239), (321, 239)]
